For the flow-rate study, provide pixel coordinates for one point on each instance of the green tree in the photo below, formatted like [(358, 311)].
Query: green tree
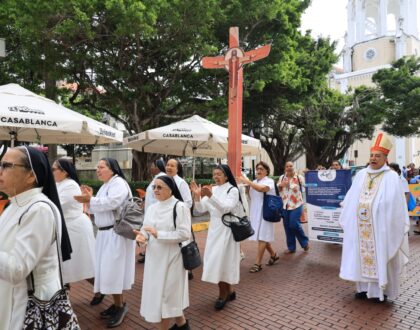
[(398, 96)]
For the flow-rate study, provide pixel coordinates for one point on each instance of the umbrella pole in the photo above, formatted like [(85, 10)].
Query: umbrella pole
[(12, 139), (193, 169)]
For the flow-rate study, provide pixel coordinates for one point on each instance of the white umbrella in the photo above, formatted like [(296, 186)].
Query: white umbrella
[(194, 136), (26, 116)]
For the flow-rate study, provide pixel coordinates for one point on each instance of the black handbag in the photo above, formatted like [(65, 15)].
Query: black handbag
[(241, 226), (52, 314), (273, 207), (190, 253)]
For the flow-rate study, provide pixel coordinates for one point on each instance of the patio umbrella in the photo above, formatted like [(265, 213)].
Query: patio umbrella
[(194, 136), (26, 116)]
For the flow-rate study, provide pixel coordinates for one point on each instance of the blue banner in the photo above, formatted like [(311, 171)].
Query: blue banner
[(325, 190)]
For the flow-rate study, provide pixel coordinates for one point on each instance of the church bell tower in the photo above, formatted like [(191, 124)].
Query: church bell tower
[(379, 32)]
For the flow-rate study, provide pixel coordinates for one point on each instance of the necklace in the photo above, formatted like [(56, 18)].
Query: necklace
[(372, 178)]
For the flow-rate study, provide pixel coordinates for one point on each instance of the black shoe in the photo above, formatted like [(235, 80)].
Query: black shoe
[(108, 313), (118, 317), (232, 296), (185, 326), (383, 301), (190, 275), (361, 295), (142, 258), (96, 300), (220, 304)]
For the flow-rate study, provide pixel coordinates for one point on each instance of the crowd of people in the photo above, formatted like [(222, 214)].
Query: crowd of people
[(375, 247)]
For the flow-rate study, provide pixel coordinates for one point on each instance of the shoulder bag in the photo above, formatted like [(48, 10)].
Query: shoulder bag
[(190, 253), (273, 206), (241, 226), (130, 217), (55, 313)]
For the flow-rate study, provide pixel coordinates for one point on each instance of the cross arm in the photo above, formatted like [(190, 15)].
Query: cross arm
[(215, 62), (255, 54)]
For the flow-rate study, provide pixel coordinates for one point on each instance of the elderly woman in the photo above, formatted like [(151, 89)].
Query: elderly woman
[(82, 263), (174, 169), (222, 253), (291, 186), (28, 233), (165, 285), (264, 230), (114, 267)]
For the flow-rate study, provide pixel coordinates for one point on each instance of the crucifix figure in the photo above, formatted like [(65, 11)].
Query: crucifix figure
[(233, 62)]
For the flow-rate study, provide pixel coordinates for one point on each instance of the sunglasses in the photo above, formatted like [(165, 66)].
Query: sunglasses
[(6, 165), (157, 187)]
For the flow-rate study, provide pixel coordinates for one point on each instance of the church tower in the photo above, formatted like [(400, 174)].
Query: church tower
[(379, 32)]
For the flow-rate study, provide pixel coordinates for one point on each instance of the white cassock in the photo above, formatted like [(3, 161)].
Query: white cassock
[(222, 252), (184, 189), (24, 248), (390, 222), (82, 263), (115, 254), (264, 230), (165, 280)]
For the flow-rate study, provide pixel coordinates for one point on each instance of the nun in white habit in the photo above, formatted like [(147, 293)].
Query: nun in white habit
[(82, 263), (222, 252), (165, 281), (115, 263), (174, 169), (28, 233)]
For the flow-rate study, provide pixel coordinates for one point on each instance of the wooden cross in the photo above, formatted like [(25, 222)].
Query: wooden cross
[(233, 62)]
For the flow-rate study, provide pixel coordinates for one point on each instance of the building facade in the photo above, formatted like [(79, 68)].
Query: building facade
[(379, 32)]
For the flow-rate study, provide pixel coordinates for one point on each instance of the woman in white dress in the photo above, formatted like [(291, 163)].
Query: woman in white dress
[(115, 254), (174, 169), (222, 252), (28, 233), (165, 284), (82, 263), (264, 230)]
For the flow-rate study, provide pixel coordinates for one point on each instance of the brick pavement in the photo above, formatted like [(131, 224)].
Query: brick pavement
[(301, 291)]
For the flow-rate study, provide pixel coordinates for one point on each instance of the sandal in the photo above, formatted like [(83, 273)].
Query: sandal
[(255, 268), (272, 259)]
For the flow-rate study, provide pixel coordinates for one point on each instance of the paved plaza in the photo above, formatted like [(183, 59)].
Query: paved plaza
[(301, 291)]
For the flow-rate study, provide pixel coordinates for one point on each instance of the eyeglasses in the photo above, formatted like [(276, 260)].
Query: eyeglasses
[(260, 169), (157, 187), (6, 165)]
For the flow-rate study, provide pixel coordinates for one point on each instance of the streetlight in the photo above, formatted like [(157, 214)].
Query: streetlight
[(2, 47)]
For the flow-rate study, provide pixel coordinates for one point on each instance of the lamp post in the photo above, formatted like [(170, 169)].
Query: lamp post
[(2, 47)]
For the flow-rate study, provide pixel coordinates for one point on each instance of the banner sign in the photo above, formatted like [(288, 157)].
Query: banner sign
[(415, 191), (325, 190)]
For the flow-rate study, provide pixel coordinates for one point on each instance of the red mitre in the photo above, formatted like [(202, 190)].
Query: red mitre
[(382, 144)]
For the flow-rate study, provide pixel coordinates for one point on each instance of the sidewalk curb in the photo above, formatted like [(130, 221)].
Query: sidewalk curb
[(201, 226)]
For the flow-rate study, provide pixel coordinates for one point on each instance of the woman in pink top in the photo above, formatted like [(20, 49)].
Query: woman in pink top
[(291, 185)]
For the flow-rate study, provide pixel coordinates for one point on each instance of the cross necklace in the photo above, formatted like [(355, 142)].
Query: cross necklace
[(372, 178)]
